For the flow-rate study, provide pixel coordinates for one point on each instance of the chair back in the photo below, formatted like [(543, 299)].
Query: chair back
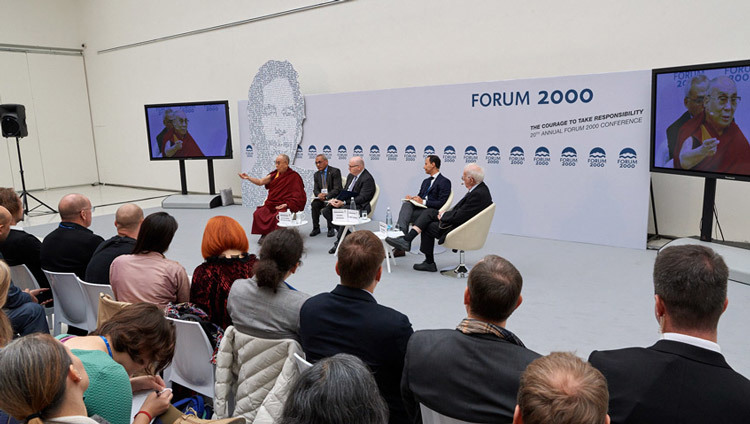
[(92, 292), (431, 417), (448, 203), (108, 306), (472, 234), (301, 362), (374, 201), (71, 304), (23, 278), (191, 365)]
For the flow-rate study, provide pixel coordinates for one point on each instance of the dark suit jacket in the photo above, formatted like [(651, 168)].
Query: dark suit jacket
[(474, 202), (97, 270), (471, 377), (69, 249), (23, 248), (349, 320), (333, 182), (365, 186), (672, 382), (674, 129), (438, 193)]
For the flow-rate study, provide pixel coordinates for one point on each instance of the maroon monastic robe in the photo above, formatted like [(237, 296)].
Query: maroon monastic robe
[(732, 154), (286, 187), (189, 146)]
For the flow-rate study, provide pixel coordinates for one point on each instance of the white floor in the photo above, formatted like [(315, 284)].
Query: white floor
[(577, 297)]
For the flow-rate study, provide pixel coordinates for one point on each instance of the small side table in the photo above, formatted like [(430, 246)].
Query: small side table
[(348, 225)]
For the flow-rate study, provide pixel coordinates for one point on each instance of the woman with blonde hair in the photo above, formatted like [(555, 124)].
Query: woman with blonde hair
[(6, 331), (224, 248), (43, 382)]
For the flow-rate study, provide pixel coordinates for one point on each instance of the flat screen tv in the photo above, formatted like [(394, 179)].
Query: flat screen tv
[(197, 130), (700, 120)]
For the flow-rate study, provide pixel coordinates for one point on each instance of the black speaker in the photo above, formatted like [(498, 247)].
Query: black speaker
[(13, 121)]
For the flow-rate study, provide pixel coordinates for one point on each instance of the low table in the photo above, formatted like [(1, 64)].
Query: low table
[(291, 224), (388, 249), (348, 225)]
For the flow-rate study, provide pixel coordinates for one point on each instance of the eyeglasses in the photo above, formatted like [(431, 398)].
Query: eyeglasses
[(353, 166), (318, 162), (724, 99), (92, 208)]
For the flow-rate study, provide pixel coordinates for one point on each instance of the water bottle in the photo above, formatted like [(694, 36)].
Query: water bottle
[(388, 219), (352, 205)]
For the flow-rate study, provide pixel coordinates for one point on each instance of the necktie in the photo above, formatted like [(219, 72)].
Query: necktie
[(351, 186)]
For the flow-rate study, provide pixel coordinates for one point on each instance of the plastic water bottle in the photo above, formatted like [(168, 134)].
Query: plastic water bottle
[(352, 205), (388, 218)]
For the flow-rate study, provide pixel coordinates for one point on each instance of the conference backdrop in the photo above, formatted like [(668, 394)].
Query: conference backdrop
[(565, 158)]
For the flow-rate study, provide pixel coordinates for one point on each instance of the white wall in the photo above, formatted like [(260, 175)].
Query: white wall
[(376, 44)]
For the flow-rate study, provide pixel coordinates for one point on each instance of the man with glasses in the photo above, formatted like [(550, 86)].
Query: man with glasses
[(70, 246), (712, 141), (178, 142), (695, 93), (361, 184), (326, 187)]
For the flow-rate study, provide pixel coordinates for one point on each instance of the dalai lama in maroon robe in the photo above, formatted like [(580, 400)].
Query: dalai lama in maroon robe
[(285, 192), (711, 141), (177, 141)]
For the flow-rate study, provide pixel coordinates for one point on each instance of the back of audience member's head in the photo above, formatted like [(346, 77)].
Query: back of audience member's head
[(223, 233), (6, 331), (34, 376), (494, 288), (361, 255), (562, 389), (10, 200), (336, 390), (141, 331), (129, 217), (156, 233), (280, 253), (691, 280), (71, 205)]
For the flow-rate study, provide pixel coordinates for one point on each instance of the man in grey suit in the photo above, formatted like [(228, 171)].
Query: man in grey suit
[(683, 378), (326, 187), (471, 373)]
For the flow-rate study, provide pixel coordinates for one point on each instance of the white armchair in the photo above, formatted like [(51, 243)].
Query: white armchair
[(470, 235)]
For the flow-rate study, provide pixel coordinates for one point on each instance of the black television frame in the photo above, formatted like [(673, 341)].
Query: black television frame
[(690, 172), (228, 153)]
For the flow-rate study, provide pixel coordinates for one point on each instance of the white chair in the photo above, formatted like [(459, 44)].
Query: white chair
[(301, 362), (24, 279), (374, 201), (470, 235), (71, 304), (92, 291), (447, 204), (191, 365), (431, 417)]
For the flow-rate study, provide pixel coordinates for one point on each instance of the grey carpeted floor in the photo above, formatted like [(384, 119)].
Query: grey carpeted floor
[(576, 297)]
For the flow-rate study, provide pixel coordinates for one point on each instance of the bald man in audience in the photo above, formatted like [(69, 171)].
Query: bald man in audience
[(21, 248), (70, 246), (128, 221), (25, 314), (561, 389)]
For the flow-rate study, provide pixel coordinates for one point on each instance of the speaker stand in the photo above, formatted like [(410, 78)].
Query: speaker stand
[(24, 194)]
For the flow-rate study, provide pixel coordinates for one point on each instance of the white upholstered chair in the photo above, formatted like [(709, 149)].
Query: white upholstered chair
[(470, 235)]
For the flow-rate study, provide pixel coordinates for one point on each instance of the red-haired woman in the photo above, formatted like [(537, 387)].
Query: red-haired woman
[(224, 248)]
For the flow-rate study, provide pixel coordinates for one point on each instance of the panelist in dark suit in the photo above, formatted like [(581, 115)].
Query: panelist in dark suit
[(359, 181), (472, 372), (695, 92), (433, 194), (432, 224), (327, 186), (349, 320), (683, 378)]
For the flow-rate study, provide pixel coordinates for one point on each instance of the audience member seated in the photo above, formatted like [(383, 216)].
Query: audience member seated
[(480, 361), (44, 382), (336, 390), (224, 248), (70, 246), (146, 275), (137, 340), (6, 331), (22, 308), (128, 219), (349, 320), (683, 378), (21, 248), (286, 191), (561, 389), (265, 305)]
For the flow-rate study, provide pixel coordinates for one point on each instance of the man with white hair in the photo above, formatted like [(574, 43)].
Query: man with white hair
[(433, 224)]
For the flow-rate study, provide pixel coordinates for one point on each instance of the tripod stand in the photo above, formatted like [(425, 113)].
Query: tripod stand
[(23, 195)]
